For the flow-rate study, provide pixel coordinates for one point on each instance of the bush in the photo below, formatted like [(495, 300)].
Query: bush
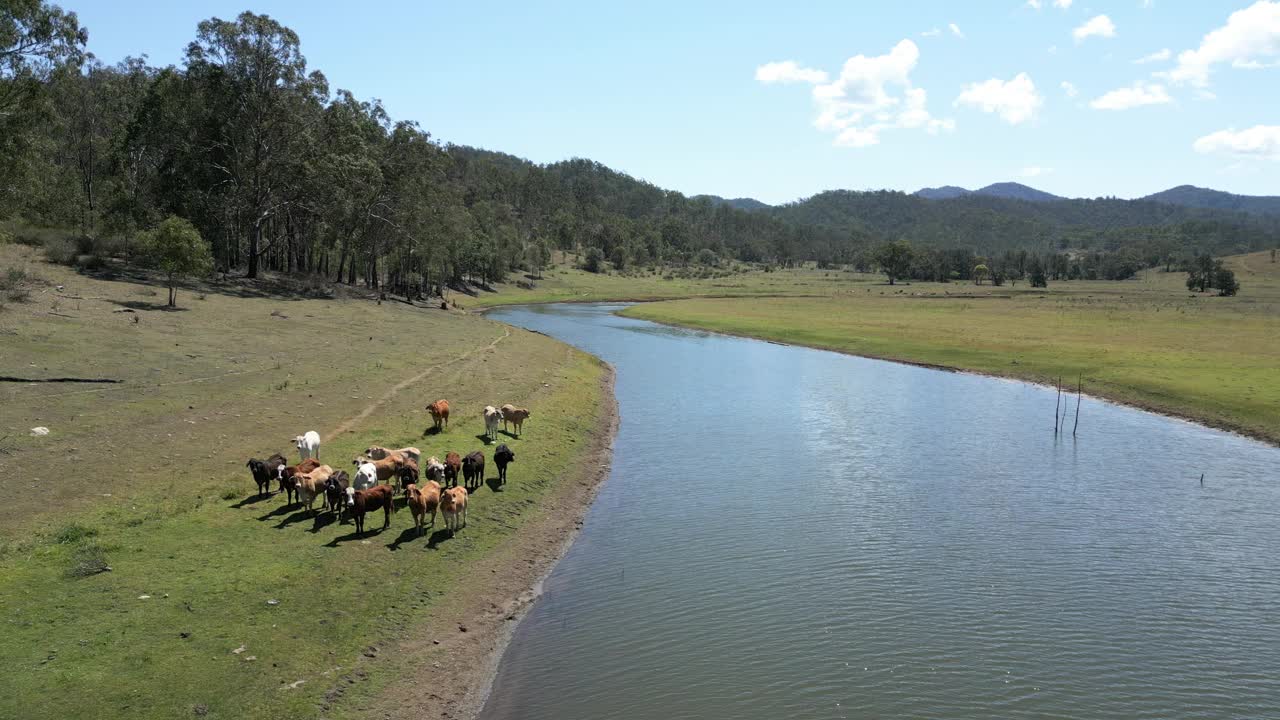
[(87, 560), (593, 261), (1225, 281), (74, 533), (61, 250)]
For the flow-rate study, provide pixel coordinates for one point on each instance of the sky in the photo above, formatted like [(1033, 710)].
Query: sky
[(779, 101)]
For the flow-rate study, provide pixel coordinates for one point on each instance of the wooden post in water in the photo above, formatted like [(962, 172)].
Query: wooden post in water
[(1201, 479), (1056, 405), (1079, 387)]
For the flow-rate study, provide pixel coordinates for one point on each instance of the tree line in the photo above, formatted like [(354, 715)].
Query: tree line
[(277, 171)]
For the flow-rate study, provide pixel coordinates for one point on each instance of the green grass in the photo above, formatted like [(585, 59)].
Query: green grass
[(1146, 342), (147, 478), (568, 284)]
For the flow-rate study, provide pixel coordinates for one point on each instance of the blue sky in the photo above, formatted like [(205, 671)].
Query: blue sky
[(675, 92)]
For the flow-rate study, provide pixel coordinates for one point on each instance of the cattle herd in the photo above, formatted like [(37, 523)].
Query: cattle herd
[(379, 469)]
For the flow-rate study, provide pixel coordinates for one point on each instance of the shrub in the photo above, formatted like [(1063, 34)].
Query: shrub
[(74, 533), (594, 260), (61, 250), (88, 559)]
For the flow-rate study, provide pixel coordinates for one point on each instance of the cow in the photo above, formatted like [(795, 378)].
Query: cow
[(491, 417), (514, 415), (265, 470), (360, 502), (377, 452), (423, 500), (288, 476), (435, 469), (312, 485), (385, 468), (502, 457), (335, 491), (452, 466), (366, 476), (408, 473), (439, 415), (453, 506), (308, 445), (473, 469)]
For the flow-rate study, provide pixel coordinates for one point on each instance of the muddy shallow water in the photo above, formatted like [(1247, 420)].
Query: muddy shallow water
[(795, 533)]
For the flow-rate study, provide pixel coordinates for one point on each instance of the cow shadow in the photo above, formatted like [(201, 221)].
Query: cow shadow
[(431, 431), (495, 485), (510, 434), (369, 534), (437, 537), (484, 438), (303, 514), (287, 507), (322, 521), (408, 535), (253, 499)]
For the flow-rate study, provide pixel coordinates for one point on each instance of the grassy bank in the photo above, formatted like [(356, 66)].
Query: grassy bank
[(569, 284), (147, 477), (1146, 342)]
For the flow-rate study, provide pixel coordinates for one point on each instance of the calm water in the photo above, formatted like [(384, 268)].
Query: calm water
[(789, 533)]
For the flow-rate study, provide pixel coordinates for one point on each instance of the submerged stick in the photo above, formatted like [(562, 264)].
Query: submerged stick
[(1057, 405), (1079, 387), (1201, 479)]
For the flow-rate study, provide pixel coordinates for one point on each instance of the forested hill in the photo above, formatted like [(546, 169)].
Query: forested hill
[(276, 169), (987, 223), (1192, 196)]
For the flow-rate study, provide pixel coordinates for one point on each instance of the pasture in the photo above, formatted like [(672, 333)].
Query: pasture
[(1147, 342), (218, 603)]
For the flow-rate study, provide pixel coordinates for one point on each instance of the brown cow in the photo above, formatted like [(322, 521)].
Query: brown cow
[(452, 466), (288, 476), (439, 414), (312, 485), (366, 501), (423, 500), (514, 415), (453, 506), (387, 467)]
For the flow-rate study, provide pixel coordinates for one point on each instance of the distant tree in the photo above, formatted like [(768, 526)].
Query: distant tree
[(894, 259), (176, 249), (707, 257), (539, 256), (1039, 278), (1200, 272), (980, 273), (1273, 254), (619, 257), (594, 260), (1225, 280)]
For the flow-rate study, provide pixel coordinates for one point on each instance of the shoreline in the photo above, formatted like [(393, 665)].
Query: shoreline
[(503, 587), (1206, 422)]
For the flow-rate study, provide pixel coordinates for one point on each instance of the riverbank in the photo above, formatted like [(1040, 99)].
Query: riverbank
[(1205, 359), (143, 576)]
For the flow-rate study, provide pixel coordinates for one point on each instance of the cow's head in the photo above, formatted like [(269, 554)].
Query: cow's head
[(351, 497)]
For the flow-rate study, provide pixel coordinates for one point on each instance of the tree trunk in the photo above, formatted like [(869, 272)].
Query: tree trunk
[(255, 237), (173, 293)]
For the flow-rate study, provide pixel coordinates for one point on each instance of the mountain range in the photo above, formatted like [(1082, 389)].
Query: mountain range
[(1188, 196)]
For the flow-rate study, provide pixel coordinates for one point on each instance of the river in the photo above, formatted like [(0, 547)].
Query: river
[(792, 533)]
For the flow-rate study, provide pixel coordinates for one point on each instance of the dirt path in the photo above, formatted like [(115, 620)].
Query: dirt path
[(469, 629), (400, 386)]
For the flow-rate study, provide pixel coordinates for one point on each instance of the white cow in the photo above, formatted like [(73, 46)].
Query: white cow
[(491, 418), (366, 476), (308, 445)]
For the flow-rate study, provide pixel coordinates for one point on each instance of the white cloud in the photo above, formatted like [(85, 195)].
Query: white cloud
[(1064, 4), (933, 32), (788, 71), (871, 95), (1258, 141), (1250, 34), (955, 30), (1139, 94), (1034, 4), (1147, 4), (1035, 171), (1157, 56), (1069, 88), (1097, 26), (1016, 101)]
